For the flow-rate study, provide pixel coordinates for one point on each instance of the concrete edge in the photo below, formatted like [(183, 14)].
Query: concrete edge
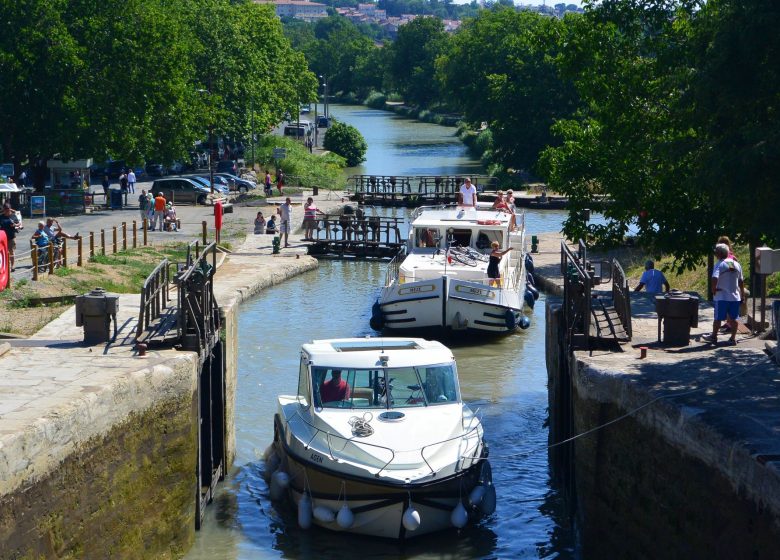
[(681, 427), (49, 440)]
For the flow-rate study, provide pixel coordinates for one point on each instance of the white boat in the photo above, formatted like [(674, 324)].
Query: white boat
[(440, 279), (386, 449)]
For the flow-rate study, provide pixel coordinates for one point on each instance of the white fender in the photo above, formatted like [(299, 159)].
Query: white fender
[(279, 482), (459, 516), (324, 514), (304, 511), (345, 518), (476, 495), (411, 519), (488, 504)]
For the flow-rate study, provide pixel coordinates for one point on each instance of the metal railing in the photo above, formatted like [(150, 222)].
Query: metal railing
[(155, 296), (577, 284), (394, 267), (370, 229), (621, 296), (198, 325)]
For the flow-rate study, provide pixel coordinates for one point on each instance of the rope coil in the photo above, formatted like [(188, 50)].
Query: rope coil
[(361, 426)]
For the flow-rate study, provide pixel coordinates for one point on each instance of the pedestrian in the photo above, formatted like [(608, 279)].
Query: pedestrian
[(55, 232), (310, 212), (131, 180), (143, 204), (259, 223), (23, 178), (159, 211), (652, 280), (150, 208), (285, 219), (728, 290), (468, 194), (10, 224), (268, 188), (171, 223), (280, 181), (123, 182), (270, 226), (106, 187), (727, 242)]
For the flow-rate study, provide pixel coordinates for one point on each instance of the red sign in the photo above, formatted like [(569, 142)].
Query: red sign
[(218, 215), (5, 264)]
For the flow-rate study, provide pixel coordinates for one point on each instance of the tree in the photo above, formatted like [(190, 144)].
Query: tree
[(412, 59), (346, 141), (500, 69)]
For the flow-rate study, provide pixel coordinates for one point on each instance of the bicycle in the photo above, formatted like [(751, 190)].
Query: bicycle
[(466, 256)]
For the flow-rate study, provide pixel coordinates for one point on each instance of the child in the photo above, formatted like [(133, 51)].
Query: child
[(259, 223)]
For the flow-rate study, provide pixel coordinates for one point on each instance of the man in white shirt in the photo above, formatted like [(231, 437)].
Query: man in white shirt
[(131, 180), (468, 193), (285, 219), (728, 290)]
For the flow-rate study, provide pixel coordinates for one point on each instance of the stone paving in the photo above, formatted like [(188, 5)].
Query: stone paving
[(717, 402)]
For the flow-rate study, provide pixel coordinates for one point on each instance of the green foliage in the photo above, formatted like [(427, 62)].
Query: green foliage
[(309, 170), (500, 69), (376, 100), (346, 141)]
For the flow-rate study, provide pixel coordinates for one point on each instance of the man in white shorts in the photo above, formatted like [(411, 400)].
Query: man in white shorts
[(285, 219)]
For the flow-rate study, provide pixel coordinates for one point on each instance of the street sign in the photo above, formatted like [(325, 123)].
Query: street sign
[(280, 153)]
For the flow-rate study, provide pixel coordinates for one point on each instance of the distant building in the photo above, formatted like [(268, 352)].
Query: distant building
[(298, 9)]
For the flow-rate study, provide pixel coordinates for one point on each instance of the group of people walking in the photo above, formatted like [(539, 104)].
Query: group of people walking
[(160, 213)]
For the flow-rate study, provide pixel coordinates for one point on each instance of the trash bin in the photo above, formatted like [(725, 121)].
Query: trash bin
[(94, 312), (116, 199), (679, 312)]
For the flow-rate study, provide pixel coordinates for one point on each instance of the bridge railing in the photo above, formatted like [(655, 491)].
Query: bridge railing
[(198, 312), (577, 284), (369, 229), (621, 296), (416, 184), (155, 296)]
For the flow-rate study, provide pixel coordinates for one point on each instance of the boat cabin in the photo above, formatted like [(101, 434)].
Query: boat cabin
[(377, 373), (459, 226)]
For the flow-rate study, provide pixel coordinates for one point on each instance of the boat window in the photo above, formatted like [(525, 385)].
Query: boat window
[(459, 237), (426, 237), (303, 383), (486, 237), (379, 388)]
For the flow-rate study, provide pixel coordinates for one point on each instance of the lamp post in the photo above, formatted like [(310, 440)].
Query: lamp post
[(325, 86)]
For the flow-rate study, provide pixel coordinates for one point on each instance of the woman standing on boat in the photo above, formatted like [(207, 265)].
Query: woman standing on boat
[(493, 273)]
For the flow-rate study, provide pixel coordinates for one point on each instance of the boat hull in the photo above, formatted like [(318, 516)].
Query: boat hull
[(378, 507)]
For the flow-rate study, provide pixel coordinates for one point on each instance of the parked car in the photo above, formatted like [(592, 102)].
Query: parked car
[(155, 170), (181, 189), (218, 187), (323, 121), (114, 168), (226, 166), (236, 183)]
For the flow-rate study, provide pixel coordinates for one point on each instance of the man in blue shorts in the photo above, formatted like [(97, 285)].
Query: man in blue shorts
[(728, 289)]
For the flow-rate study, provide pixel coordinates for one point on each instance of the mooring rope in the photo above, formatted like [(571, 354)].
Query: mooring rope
[(361, 426)]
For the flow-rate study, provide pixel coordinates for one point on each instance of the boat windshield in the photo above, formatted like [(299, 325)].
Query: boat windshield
[(405, 387)]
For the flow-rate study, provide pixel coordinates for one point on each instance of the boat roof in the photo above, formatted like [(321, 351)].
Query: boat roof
[(366, 352), (464, 217)]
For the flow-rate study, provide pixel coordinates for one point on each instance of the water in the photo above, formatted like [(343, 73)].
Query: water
[(505, 379)]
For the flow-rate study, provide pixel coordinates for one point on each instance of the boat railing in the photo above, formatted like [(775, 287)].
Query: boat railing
[(420, 209), (394, 267), (354, 440)]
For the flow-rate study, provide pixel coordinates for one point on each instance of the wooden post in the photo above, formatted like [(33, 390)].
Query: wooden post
[(135, 234), (205, 230), (146, 228), (91, 244), (50, 247), (64, 254), (124, 236), (34, 255), (80, 258), (103, 242), (113, 230)]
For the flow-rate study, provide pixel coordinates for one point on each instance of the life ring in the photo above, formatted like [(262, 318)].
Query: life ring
[(5, 264), (489, 222)]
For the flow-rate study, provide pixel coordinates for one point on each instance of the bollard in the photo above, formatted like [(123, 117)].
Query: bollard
[(205, 231), (534, 244), (124, 236), (80, 258), (146, 229), (642, 352), (135, 234), (50, 247), (103, 242), (141, 346), (64, 254), (276, 244), (91, 244), (34, 255), (114, 238)]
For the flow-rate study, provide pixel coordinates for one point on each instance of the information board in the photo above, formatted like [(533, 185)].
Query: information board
[(37, 206)]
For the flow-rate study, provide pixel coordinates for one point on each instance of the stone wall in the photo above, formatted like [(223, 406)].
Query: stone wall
[(126, 493)]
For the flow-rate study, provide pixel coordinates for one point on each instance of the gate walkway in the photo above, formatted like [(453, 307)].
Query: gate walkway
[(412, 190)]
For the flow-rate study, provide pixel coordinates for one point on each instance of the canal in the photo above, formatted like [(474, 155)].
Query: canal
[(505, 379)]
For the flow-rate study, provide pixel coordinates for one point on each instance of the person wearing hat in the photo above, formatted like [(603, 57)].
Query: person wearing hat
[(170, 218), (652, 280), (728, 290), (159, 211)]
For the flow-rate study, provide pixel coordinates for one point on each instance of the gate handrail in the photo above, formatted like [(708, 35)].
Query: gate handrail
[(155, 296), (621, 296), (576, 291)]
